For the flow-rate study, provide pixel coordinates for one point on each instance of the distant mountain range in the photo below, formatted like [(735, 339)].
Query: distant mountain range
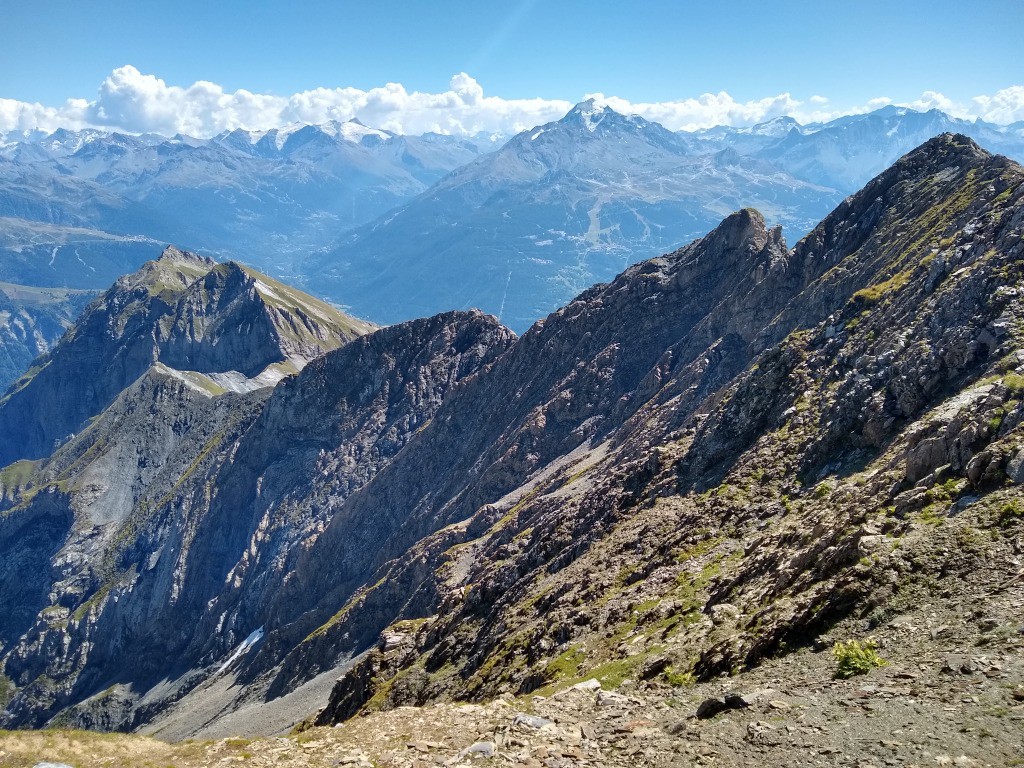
[(393, 227), (31, 320), (520, 231), (80, 209), (91, 206)]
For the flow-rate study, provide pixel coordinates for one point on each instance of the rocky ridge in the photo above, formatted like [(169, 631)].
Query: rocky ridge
[(705, 501), (183, 505)]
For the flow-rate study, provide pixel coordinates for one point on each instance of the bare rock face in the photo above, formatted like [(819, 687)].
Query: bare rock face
[(707, 460), (183, 506)]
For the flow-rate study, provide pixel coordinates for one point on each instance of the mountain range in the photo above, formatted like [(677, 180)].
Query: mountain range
[(78, 209), (270, 196), (520, 231), (714, 459), (394, 227)]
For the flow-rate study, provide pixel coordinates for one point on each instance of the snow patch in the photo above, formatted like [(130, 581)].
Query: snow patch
[(354, 131), (269, 293), (254, 637), (239, 383)]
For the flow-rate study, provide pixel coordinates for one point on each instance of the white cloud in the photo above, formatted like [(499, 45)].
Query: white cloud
[(23, 116), (1005, 106), (706, 111), (463, 109), (131, 101), (934, 100)]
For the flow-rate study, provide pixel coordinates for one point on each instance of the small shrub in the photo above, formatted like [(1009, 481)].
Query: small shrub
[(1014, 382), (679, 679), (856, 658), (996, 420), (1011, 511), (823, 489), (933, 514)]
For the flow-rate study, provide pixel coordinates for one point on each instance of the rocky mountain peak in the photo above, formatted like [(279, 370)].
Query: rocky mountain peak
[(777, 126), (939, 179), (944, 150), (593, 115), (585, 107), (174, 254), (173, 271), (182, 310), (743, 230)]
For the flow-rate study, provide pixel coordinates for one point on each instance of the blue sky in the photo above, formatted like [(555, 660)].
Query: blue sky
[(646, 52)]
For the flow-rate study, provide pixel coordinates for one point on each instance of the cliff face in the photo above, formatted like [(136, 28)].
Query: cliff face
[(183, 506), (710, 458)]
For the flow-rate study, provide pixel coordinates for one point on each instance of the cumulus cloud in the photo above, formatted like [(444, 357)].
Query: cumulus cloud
[(461, 110), (706, 111), (129, 100), (1005, 106), (23, 116)]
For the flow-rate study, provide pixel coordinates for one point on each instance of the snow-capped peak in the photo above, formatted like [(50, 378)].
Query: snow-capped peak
[(775, 127), (589, 106), (353, 130), (590, 113), (280, 135)]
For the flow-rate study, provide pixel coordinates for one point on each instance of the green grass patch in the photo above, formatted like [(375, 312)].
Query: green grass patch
[(933, 514), (875, 293), (1011, 512), (1014, 382), (856, 658), (612, 674), (17, 475), (566, 665)]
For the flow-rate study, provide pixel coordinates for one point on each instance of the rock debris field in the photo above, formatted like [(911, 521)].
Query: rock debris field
[(950, 694)]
